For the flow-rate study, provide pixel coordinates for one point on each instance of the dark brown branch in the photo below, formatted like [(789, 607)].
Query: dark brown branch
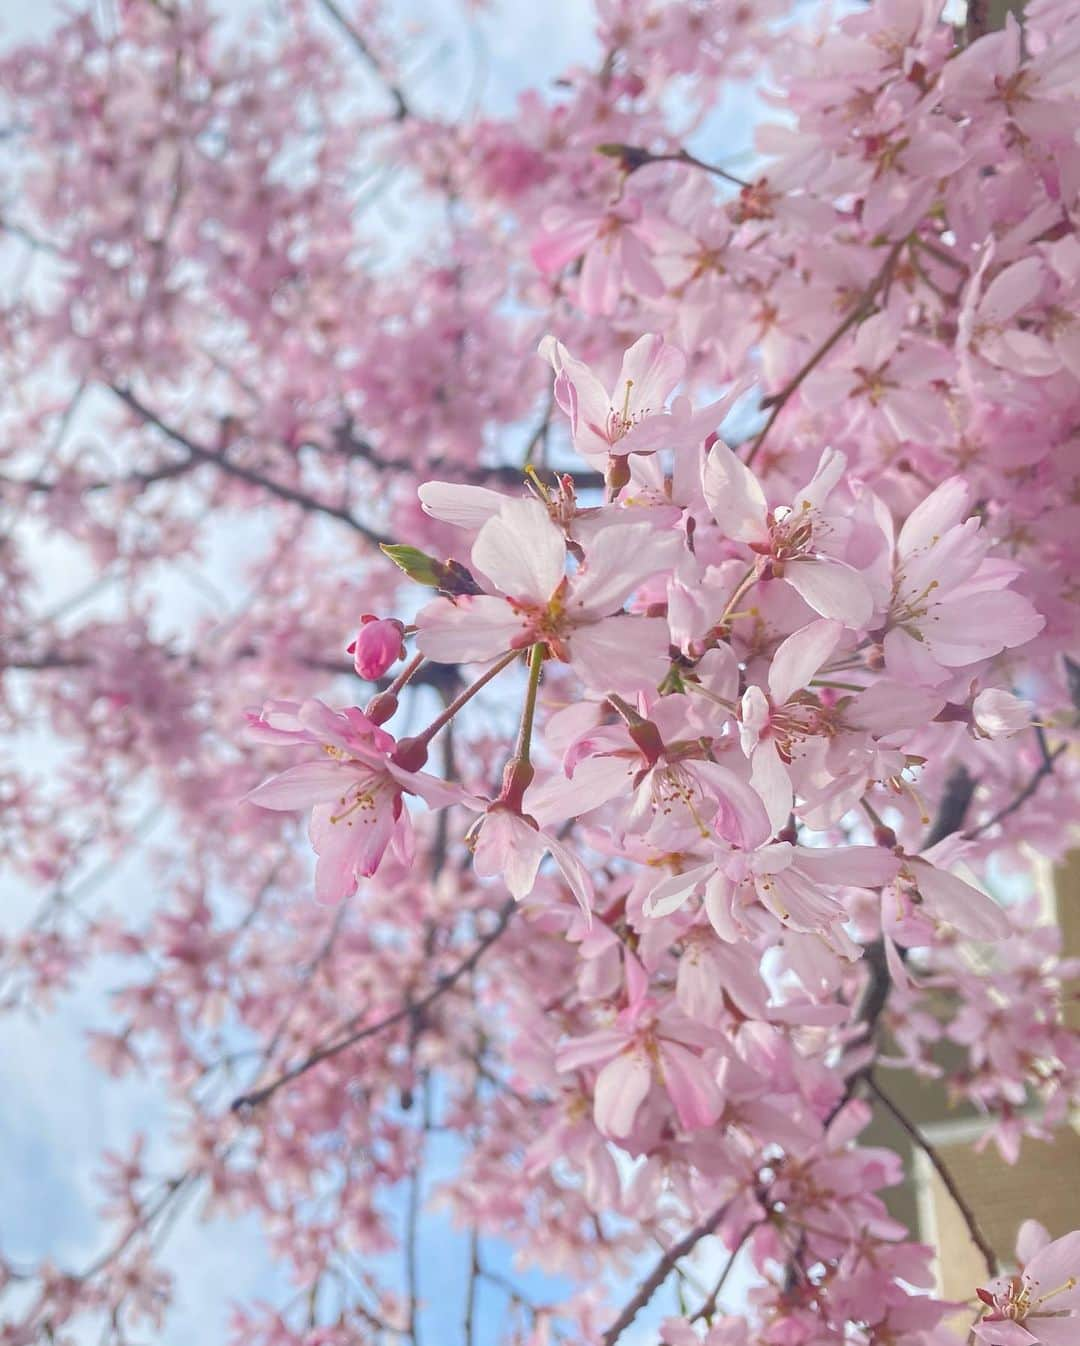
[(916, 1136), (201, 454), (41, 485), (407, 1011), (634, 157), (953, 807), (348, 443), (401, 106)]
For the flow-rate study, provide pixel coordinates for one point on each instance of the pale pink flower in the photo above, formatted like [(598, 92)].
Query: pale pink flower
[(579, 618), (793, 543), (773, 726), (633, 418), (616, 243), (950, 606), (647, 1046), (356, 791), (1000, 714), (887, 381), (1040, 1304), (789, 882), (673, 793), (509, 846)]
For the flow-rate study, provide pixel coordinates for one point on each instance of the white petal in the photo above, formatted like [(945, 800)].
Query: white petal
[(521, 551), (833, 589), (800, 657), (734, 495)]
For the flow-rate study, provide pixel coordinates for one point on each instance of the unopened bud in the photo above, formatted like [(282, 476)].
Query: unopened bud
[(378, 645)]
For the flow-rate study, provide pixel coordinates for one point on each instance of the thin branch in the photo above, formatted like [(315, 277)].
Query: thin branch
[(916, 1136), (634, 157), (661, 1272), (1045, 768), (861, 310), (203, 455), (469, 1323), (708, 1308), (246, 1102), (401, 105)]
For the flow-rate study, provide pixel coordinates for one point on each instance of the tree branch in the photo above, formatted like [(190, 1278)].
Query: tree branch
[(401, 105), (977, 1236), (1045, 768), (660, 1273), (861, 310), (203, 455), (249, 1101)]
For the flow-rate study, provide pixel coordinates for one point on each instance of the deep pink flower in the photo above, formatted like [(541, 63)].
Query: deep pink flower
[(377, 646)]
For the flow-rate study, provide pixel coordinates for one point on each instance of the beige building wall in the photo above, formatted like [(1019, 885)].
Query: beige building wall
[(1044, 1183)]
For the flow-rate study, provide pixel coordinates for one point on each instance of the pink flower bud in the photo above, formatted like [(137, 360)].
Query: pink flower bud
[(378, 645)]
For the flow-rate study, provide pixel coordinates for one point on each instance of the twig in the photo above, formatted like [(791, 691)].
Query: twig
[(401, 106), (660, 1273), (708, 1308), (246, 1102), (861, 310), (203, 455), (1045, 768), (977, 1236), (412, 1220), (634, 157)]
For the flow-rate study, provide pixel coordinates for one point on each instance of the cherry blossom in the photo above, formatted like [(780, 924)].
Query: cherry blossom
[(678, 713)]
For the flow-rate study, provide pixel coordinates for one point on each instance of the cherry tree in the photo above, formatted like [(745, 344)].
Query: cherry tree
[(577, 627)]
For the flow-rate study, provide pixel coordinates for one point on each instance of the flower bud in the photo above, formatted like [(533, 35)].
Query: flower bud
[(378, 645)]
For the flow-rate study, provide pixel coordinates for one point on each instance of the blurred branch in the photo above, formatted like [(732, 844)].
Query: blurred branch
[(660, 1273), (940, 1168), (401, 105), (246, 1102), (201, 454)]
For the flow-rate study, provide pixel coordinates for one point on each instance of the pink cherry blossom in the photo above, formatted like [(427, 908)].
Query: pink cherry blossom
[(793, 543), (357, 791), (1040, 1304), (522, 553)]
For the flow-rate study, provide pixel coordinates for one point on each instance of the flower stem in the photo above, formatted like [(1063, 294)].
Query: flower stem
[(528, 714), (445, 716)]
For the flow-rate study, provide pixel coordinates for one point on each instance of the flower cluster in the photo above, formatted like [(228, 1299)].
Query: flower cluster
[(662, 571)]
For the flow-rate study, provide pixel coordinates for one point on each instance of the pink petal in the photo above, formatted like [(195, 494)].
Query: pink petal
[(951, 899), (945, 507), (652, 368), (460, 505), (469, 628), (832, 589), (800, 656), (734, 496), (857, 866), (302, 786), (624, 653), (620, 1089), (690, 1084), (521, 551)]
